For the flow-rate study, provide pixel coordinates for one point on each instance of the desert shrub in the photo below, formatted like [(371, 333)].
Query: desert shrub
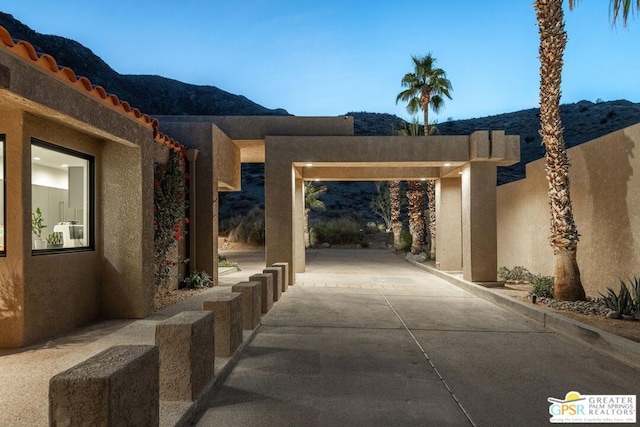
[(250, 229), (225, 225), (405, 241), (223, 262), (626, 301), (197, 280), (339, 231), (518, 274), (542, 287)]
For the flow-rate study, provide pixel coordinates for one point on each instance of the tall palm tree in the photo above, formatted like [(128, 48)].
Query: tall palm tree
[(312, 201), (426, 87), (396, 220), (395, 196), (564, 234)]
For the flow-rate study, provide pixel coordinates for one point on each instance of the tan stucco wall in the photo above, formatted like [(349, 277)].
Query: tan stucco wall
[(606, 201), (57, 292), (12, 266), (127, 225), (227, 161), (60, 290)]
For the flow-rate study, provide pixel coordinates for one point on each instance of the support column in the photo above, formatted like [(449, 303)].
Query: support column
[(479, 238), (298, 226), (279, 209), (449, 224), (192, 155)]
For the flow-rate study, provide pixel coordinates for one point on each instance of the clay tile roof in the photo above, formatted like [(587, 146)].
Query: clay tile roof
[(47, 63)]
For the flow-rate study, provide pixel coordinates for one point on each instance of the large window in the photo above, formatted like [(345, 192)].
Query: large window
[(2, 198), (61, 198)]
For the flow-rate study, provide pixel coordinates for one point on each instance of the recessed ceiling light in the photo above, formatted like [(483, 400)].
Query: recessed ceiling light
[(423, 179), (64, 165), (447, 164), (36, 158), (309, 165)]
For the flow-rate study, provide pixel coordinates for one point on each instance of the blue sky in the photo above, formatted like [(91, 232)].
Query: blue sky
[(327, 58)]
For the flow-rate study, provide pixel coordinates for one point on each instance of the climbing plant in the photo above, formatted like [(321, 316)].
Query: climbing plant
[(170, 205)]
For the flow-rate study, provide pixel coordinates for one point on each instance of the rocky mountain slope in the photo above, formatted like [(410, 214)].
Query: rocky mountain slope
[(153, 95)]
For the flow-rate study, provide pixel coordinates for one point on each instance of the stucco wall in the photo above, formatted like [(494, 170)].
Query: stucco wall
[(12, 266), (60, 290), (606, 201)]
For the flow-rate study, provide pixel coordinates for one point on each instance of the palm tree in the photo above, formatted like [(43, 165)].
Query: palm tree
[(426, 88), (311, 202), (564, 234), (395, 204)]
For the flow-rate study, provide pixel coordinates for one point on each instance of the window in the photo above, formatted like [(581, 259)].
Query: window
[(61, 198), (2, 197)]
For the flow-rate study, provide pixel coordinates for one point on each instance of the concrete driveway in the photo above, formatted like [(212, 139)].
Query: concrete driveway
[(365, 338)]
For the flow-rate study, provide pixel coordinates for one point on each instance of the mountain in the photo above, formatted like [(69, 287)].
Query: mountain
[(153, 95)]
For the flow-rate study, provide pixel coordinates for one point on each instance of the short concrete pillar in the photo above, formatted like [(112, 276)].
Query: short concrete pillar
[(284, 267), (187, 354), (117, 387), (251, 303), (277, 281), (227, 323), (266, 285)]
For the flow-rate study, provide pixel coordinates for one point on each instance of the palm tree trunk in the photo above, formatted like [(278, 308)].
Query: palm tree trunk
[(396, 222), (415, 196), (564, 234), (307, 236), (431, 193)]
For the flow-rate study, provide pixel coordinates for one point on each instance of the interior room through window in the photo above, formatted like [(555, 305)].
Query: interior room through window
[(60, 198)]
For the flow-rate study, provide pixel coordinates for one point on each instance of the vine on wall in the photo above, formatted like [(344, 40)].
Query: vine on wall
[(170, 206)]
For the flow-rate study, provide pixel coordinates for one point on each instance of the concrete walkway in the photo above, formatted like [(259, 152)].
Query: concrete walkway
[(365, 338)]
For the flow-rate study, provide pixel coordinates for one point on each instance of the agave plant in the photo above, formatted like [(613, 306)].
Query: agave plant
[(621, 302), (635, 294)]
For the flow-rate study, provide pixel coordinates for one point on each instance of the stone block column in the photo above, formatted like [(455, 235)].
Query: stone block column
[(276, 272), (116, 387), (251, 303), (266, 288), (187, 354), (227, 321)]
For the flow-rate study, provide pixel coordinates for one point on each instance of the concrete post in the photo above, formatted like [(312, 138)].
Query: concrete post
[(192, 155), (479, 229), (298, 226), (449, 224), (118, 386)]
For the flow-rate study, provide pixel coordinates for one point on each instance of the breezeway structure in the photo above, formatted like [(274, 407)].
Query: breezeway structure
[(295, 149)]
